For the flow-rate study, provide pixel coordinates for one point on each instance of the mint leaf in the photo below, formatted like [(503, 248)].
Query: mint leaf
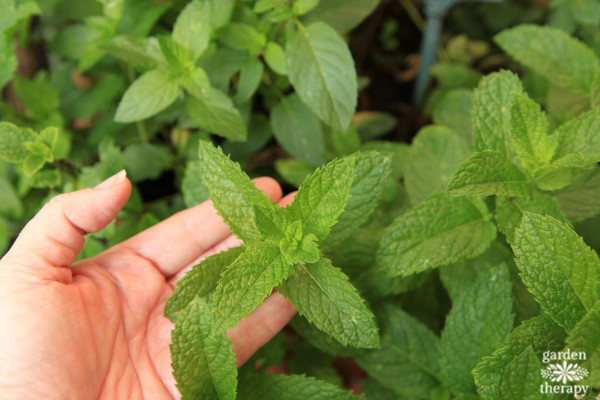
[(192, 188), (552, 53), (148, 95), (192, 28), (322, 294), (323, 197), (489, 173), (247, 282), (275, 58), (289, 387), (343, 15), (232, 192), (530, 136), (242, 37), (579, 200), (564, 171), (298, 130), (509, 211), (439, 231), (578, 135), (370, 172), (12, 142), (298, 248), (293, 171), (408, 349), (557, 266), (521, 378), (584, 337), (213, 111), (434, 156), (321, 69), (251, 76), (200, 281), (203, 362), (491, 111), (539, 334), (477, 323)]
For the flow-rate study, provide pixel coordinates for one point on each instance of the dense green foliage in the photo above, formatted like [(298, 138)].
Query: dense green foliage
[(444, 268)]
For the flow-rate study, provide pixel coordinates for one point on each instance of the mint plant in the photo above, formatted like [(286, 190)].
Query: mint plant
[(283, 248)]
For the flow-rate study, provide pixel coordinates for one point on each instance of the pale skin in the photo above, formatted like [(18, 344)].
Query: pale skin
[(95, 329)]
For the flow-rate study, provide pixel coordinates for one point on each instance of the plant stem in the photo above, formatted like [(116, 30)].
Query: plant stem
[(413, 14)]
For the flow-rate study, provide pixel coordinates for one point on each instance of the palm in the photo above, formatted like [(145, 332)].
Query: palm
[(97, 330)]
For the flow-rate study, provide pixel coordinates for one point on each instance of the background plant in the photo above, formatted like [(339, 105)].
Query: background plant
[(481, 206)]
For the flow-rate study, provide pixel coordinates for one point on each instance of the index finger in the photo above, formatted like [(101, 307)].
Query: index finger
[(177, 241)]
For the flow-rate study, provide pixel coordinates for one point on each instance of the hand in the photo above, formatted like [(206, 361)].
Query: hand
[(95, 329)]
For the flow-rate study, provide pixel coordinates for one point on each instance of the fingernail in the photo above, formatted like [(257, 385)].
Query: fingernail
[(114, 180)]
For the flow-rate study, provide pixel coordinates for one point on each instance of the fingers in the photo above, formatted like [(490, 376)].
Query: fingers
[(260, 326), (179, 240), (55, 234)]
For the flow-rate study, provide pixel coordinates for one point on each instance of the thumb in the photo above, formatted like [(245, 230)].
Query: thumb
[(54, 237)]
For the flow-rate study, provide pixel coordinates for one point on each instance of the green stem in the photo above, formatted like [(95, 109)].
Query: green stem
[(413, 14)]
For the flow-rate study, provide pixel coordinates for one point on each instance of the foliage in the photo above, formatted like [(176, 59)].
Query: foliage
[(444, 267)]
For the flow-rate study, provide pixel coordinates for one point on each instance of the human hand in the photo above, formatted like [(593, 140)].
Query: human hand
[(95, 329)]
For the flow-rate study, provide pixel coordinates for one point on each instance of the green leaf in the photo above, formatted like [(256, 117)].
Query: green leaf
[(200, 281), (521, 378), (33, 163), (489, 173), (439, 231), (321, 69), (459, 276), (38, 96), (298, 130), (372, 124), (146, 161), (322, 294), (552, 53), (564, 171), (192, 28), (192, 188), (370, 173), (141, 53), (148, 95), (203, 362), (509, 211), (323, 197), (343, 15), (579, 135), (242, 37), (491, 111), (4, 235), (530, 136), (399, 152), (409, 350), (247, 282), (579, 200), (221, 11), (213, 111), (10, 203), (454, 111), (540, 334), (476, 325), (434, 156), (290, 387), (232, 192), (561, 271), (293, 171), (251, 76), (12, 142), (275, 58), (585, 338), (296, 247)]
